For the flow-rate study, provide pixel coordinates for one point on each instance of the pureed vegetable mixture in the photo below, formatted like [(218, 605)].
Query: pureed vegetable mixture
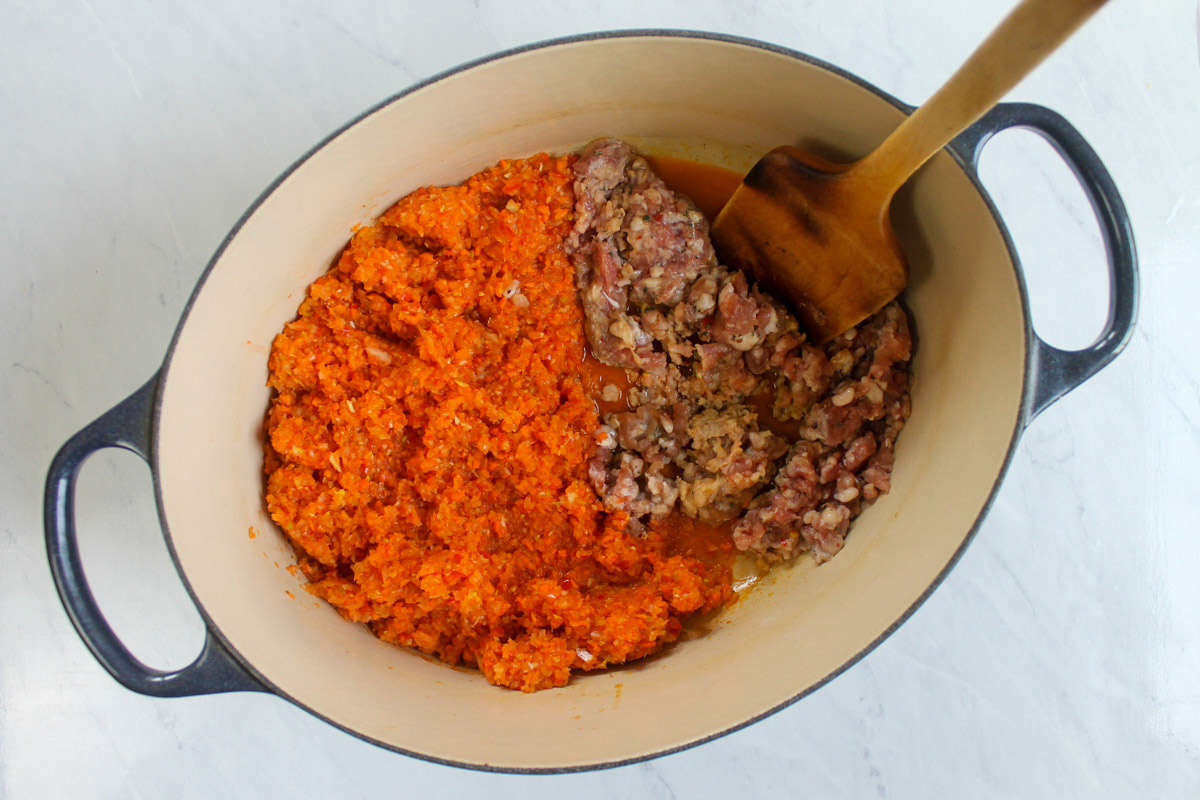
[(446, 478), (429, 437)]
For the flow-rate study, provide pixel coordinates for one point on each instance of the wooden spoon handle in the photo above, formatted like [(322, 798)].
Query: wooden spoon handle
[(1026, 36)]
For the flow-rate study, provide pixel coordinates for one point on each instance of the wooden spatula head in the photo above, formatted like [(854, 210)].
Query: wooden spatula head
[(818, 234), (813, 234)]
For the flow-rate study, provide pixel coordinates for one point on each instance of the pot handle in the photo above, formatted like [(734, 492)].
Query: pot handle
[(1055, 372), (126, 426)]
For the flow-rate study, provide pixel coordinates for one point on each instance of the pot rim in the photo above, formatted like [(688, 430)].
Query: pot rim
[(1024, 414)]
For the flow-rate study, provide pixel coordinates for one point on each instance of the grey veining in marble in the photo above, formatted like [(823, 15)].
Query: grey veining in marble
[(1061, 658)]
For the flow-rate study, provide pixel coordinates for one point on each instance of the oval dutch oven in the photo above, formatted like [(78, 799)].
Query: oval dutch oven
[(981, 375)]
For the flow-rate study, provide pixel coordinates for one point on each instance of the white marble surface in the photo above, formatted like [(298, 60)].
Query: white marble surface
[(1061, 658)]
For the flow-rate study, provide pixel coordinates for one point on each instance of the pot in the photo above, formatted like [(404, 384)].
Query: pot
[(981, 375)]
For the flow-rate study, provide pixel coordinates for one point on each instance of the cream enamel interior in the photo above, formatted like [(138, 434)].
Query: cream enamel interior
[(709, 100)]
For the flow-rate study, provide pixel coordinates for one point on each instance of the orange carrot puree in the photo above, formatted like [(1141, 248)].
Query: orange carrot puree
[(428, 437)]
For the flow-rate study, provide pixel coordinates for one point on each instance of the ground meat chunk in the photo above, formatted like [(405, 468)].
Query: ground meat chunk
[(876, 384), (634, 240), (809, 507), (628, 484), (847, 454), (632, 454), (730, 459), (706, 351), (805, 373), (657, 432), (723, 371)]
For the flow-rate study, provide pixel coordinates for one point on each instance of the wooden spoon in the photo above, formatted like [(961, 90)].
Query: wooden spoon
[(818, 233)]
